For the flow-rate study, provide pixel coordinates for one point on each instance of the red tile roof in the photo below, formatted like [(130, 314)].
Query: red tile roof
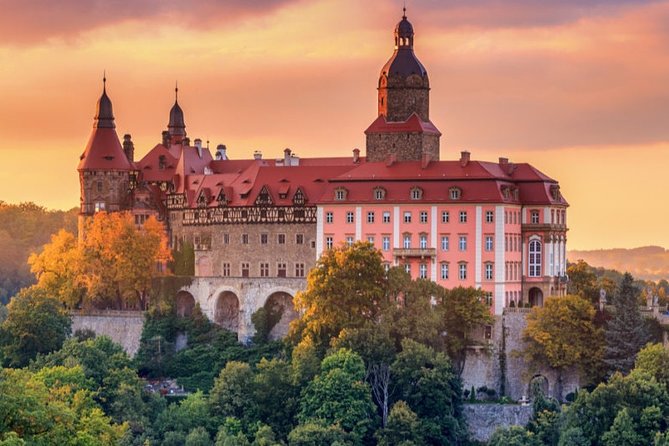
[(104, 152), (412, 124)]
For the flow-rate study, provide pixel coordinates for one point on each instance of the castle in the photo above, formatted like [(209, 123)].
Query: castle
[(258, 225)]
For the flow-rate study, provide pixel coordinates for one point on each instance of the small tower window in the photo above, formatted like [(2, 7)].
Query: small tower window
[(379, 193), (99, 186), (455, 193), (416, 193)]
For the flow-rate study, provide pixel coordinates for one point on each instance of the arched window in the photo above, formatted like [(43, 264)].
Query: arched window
[(535, 259)]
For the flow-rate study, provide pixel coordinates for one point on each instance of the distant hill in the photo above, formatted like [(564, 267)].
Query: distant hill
[(647, 262), (24, 229)]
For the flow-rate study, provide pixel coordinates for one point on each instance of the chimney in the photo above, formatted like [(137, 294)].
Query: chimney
[(221, 152), (128, 147), (503, 161), (286, 156), (257, 155), (198, 143), (464, 158), (166, 138), (356, 155)]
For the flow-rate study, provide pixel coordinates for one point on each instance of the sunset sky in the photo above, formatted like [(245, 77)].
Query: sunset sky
[(579, 88)]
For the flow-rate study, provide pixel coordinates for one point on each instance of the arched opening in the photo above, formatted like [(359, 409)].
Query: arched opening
[(280, 303), (538, 386), (227, 311), (536, 297), (185, 303)]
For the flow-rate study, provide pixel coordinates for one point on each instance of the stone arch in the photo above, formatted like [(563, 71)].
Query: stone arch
[(538, 385), (281, 301), (536, 297), (226, 311), (185, 302)]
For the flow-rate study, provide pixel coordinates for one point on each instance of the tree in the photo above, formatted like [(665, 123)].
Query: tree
[(425, 380), (318, 434), (582, 281), (403, 427), (344, 290), (626, 332), (622, 432), (461, 311), (275, 395), (198, 437), (232, 394), (513, 436), (339, 396), (36, 323), (653, 359), (562, 334)]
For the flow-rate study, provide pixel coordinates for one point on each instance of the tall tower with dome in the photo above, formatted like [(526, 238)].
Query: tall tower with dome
[(403, 130)]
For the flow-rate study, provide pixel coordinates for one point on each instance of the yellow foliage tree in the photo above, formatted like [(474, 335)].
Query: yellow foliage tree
[(562, 334)]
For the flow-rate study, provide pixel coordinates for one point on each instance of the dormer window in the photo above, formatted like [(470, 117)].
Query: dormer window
[(555, 192), (340, 194), (379, 193), (221, 198), (299, 199), (416, 193), (264, 198), (162, 162), (506, 193), (455, 193), (201, 200)]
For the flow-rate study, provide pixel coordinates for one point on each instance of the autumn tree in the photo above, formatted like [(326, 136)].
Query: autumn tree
[(36, 323), (582, 281), (562, 334), (344, 290)]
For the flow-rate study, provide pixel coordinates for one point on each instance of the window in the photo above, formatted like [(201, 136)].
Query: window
[(416, 193), (488, 243), (422, 271), (407, 217), (299, 239), (489, 217), (407, 241), (444, 270), (264, 270), (386, 266), (245, 269), (370, 217), (329, 217), (99, 206), (349, 240), (226, 270), (386, 243), (340, 194), (462, 271), (463, 216), (245, 239), (407, 268), (455, 193), (263, 239), (226, 239), (445, 243), (445, 217), (299, 270), (280, 269), (379, 193), (281, 239), (370, 239), (99, 184), (462, 244), (350, 218), (386, 217), (488, 271), (329, 242), (423, 216), (535, 258), (423, 241), (534, 217)]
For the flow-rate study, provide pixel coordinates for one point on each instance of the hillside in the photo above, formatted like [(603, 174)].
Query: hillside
[(24, 229), (647, 262)]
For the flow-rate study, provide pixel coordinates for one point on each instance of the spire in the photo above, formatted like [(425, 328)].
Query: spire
[(104, 117), (176, 126)]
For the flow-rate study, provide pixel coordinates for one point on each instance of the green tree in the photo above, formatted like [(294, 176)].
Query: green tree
[(573, 436), (582, 281), (626, 332), (275, 395), (654, 360), (340, 396), (36, 323), (562, 334), (318, 434), (425, 380), (513, 436), (265, 437), (198, 437), (403, 427), (232, 394), (622, 432), (345, 289), (177, 420)]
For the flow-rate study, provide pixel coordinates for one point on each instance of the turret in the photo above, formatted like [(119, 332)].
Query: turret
[(177, 126)]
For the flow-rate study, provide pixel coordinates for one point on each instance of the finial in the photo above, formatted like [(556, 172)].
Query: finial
[(404, 10), (104, 80), (176, 91)]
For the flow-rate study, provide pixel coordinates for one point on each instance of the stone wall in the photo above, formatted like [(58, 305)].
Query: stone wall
[(123, 327), (484, 419), (405, 146)]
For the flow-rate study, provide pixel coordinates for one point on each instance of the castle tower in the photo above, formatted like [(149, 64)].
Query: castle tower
[(403, 129), (177, 126), (104, 169)]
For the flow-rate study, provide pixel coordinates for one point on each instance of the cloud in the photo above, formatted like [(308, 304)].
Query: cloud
[(34, 21)]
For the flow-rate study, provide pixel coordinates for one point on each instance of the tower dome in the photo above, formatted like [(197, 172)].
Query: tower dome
[(104, 116), (177, 125)]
